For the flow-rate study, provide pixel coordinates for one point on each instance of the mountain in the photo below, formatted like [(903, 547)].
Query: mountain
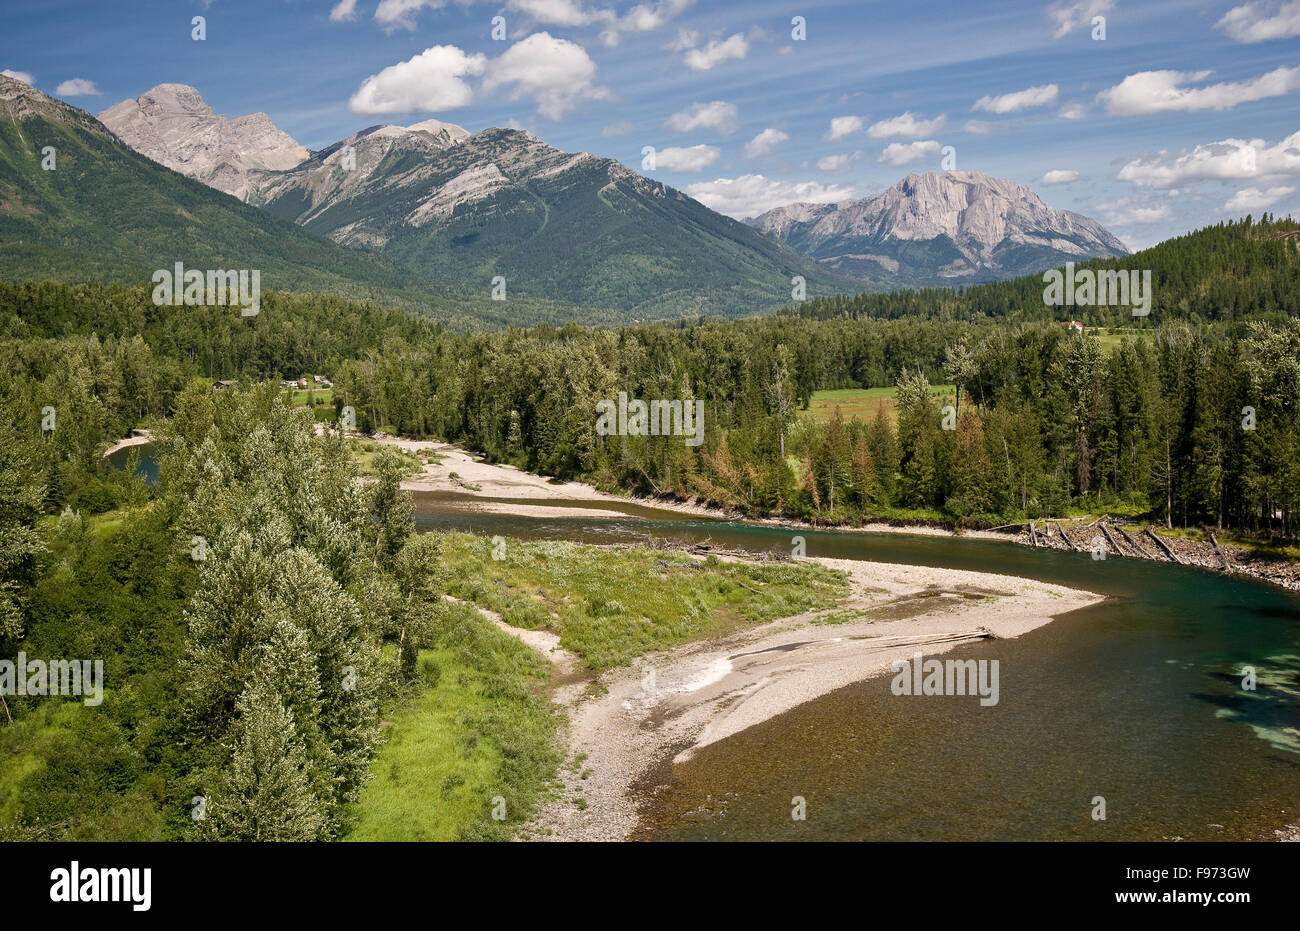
[(105, 213), (558, 226), (941, 229), (172, 125)]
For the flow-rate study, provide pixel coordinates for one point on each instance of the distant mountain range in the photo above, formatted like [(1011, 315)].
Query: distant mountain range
[(436, 212), (101, 212), (932, 230), (464, 207)]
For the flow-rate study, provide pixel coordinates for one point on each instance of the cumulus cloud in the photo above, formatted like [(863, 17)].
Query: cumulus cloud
[(1159, 91), (344, 11), (765, 142), (430, 82), (24, 76), (77, 87), (1253, 198), (1060, 176), (644, 17), (750, 195), (1018, 100), (716, 52), (833, 163), (560, 12), (556, 73), (1073, 111), (395, 14), (686, 38), (907, 126), (717, 115), (1069, 16), (1227, 159), (691, 158), (1259, 22), (1125, 212), (842, 126), (896, 153)]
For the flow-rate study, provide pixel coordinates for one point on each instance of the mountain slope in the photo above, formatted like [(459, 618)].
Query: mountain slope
[(172, 125), (941, 229), (106, 213), (566, 226)]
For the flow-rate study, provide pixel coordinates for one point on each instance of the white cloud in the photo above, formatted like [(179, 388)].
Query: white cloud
[(842, 126), (24, 76), (1125, 212), (907, 126), (1257, 22), (618, 128), (715, 53), (1253, 198), (560, 12), (833, 162), (1159, 91), (686, 38), (1070, 16), (982, 127), (1018, 100), (896, 153), (77, 87), (750, 195), (1073, 111), (1060, 176), (692, 158), (392, 14), (716, 115), (344, 11), (644, 17), (429, 82), (765, 142), (1224, 160), (556, 73)]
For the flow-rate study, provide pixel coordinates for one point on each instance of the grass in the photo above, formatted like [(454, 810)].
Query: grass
[(612, 605), (474, 730), (863, 403)]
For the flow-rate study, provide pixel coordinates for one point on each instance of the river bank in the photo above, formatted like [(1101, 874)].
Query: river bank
[(632, 723), (478, 478)]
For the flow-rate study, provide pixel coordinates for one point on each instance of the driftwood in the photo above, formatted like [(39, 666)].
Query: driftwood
[(1033, 534), (1110, 538), (1227, 566), (1133, 543), (1066, 537), (1164, 546)]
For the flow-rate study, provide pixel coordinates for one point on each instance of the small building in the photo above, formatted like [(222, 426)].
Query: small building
[(223, 384), (1073, 325)]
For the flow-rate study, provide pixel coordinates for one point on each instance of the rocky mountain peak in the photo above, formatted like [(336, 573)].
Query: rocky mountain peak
[(174, 126), (973, 227)]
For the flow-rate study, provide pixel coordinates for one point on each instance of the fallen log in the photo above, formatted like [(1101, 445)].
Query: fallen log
[(1066, 537), (1132, 542), (1227, 566), (1164, 546), (1110, 538)]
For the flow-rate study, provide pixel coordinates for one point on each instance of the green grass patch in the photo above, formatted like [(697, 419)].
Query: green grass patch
[(863, 403), (612, 605), (474, 729)]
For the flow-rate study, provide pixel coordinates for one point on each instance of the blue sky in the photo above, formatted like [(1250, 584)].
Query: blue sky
[(1186, 113)]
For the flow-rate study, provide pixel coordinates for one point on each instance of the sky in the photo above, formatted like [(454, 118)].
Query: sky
[(1154, 118)]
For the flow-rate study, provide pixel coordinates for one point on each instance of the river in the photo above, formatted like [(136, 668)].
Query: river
[(1137, 701)]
